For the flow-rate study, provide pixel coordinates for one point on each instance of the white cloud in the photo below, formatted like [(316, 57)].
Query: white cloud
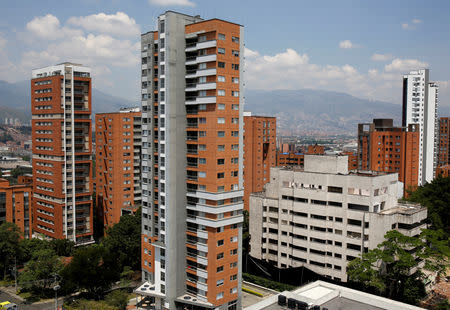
[(248, 53), (381, 57), (172, 2), (119, 24), (290, 69), (33, 59), (404, 65), (95, 49), (347, 44), (287, 59), (406, 26), (103, 50), (412, 25), (48, 27)]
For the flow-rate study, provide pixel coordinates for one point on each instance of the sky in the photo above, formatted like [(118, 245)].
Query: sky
[(357, 47)]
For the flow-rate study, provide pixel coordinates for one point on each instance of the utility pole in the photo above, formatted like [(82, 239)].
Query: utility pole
[(15, 273), (56, 287)]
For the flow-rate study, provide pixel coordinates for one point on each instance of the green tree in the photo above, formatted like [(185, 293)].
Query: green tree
[(436, 197), (62, 247), (123, 241), (9, 245), (118, 299), (91, 269), (38, 275), (30, 246), (393, 267)]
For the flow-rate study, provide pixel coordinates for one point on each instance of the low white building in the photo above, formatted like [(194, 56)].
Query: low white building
[(323, 295), (323, 216)]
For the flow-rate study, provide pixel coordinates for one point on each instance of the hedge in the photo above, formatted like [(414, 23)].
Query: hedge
[(277, 286)]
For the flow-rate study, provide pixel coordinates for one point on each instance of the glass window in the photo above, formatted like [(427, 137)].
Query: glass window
[(221, 36)]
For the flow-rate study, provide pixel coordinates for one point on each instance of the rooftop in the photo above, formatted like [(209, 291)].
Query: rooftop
[(406, 208), (330, 296)]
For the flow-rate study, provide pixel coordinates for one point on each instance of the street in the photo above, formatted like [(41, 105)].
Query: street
[(22, 306)]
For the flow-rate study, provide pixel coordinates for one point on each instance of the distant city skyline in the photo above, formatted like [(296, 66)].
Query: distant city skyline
[(359, 49)]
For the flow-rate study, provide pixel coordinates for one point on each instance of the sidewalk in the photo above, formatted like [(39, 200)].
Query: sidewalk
[(10, 290)]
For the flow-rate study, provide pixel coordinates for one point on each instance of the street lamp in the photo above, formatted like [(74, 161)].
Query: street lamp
[(56, 288)]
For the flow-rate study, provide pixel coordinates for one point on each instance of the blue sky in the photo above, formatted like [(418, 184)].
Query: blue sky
[(357, 47)]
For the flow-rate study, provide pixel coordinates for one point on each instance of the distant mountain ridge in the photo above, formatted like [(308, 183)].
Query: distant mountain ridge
[(15, 101), (316, 112), (298, 112)]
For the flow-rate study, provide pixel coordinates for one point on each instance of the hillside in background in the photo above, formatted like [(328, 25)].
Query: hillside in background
[(15, 101), (318, 112), (298, 112)]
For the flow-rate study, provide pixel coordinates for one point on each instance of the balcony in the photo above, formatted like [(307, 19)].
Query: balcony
[(200, 100), (200, 72), (190, 47), (200, 86), (199, 59)]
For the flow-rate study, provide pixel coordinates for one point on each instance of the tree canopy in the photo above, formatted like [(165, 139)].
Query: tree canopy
[(9, 245), (39, 273), (92, 269), (123, 241), (436, 197), (393, 268)]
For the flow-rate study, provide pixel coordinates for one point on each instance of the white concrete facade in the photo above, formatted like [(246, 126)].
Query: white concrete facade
[(420, 102), (307, 217)]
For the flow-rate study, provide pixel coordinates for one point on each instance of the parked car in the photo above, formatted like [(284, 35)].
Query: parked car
[(6, 305)]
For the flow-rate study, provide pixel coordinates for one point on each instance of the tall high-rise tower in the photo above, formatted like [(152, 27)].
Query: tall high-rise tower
[(420, 103), (192, 150), (259, 152), (62, 152), (117, 164), (444, 141)]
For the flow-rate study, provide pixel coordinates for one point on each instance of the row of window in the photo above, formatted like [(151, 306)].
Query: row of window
[(221, 37), (221, 51), (46, 82), (221, 93), (42, 91)]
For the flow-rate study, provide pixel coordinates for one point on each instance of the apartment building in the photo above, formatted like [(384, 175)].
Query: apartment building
[(62, 152), (15, 205), (352, 160), (443, 171), (420, 103), (315, 149), (323, 216), (290, 159), (298, 159), (383, 147), (259, 152), (192, 162), (444, 141), (118, 164)]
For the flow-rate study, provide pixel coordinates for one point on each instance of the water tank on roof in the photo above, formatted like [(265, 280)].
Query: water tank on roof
[(281, 300), (301, 305), (292, 303)]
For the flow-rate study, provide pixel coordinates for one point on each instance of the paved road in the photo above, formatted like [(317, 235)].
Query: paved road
[(22, 306)]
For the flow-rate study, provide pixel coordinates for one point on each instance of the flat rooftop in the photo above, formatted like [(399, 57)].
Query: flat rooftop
[(406, 208), (331, 296)]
